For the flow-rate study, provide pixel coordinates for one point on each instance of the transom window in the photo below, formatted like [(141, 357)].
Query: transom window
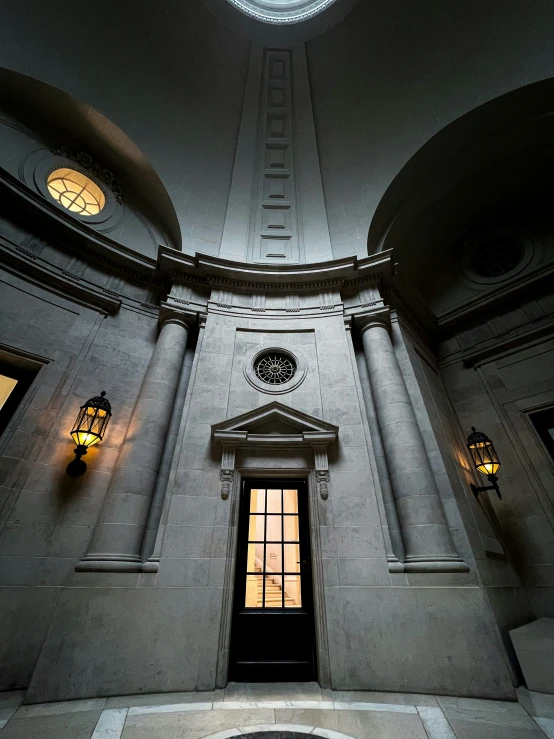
[(273, 560), (76, 192)]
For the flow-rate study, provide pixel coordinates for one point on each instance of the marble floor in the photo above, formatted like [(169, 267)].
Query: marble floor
[(303, 708)]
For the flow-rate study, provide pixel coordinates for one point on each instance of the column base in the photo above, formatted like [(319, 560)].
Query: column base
[(436, 565), (152, 564), (112, 564)]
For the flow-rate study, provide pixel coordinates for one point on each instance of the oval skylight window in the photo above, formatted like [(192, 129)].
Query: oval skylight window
[(76, 192), (281, 11)]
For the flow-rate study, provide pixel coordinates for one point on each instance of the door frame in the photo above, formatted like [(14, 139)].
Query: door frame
[(320, 620)]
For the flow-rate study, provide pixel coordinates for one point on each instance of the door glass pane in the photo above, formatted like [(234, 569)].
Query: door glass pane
[(274, 530), (274, 501), (273, 520), (255, 561), (290, 501), (257, 501), (273, 592), (254, 585), (274, 557), (7, 384), (256, 528), (293, 595), (292, 558), (291, 528)]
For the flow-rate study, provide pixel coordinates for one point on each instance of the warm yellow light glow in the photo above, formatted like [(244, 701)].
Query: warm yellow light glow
[(7, 384), (273, 553), (76, 192), (489, 468), (485, 457), (91, 411), (84, 438)]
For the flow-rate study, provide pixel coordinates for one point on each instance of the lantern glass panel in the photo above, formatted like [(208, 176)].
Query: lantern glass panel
[(90, 426), (485, 457)]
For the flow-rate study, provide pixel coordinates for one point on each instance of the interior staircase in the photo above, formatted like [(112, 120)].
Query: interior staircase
[(273, 593)]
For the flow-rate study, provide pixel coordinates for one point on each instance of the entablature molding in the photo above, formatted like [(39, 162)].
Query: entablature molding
[(50, 277), (246, 277), (244, 431)]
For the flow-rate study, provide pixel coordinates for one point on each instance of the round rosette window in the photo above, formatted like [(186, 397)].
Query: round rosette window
[(275, 370)]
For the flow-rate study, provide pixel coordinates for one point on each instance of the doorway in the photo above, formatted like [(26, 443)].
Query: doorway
[(273, 633)]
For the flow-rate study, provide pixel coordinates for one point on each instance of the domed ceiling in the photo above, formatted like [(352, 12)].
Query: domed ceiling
[(281, 11)]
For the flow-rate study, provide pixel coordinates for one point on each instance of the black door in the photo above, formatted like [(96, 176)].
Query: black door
[(273, 636)]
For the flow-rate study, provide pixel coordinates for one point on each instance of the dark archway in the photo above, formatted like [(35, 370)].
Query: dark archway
[(497, 156)]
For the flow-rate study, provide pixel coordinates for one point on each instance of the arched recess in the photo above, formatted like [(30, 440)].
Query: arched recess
[(35, 116), (496, 160)]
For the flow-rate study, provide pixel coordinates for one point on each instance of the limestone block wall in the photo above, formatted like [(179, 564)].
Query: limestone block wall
[(496, 395), (46, 517), (133, 632), (474, 525)]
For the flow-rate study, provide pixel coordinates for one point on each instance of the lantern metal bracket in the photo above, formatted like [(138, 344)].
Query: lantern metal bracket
[(494, 486), (77, 467)]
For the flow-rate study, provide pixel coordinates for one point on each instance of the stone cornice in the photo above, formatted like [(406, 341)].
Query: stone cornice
[(213, 271), (57, 280), (490, 302)]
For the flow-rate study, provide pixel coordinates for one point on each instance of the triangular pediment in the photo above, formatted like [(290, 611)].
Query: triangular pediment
[(274, 419)]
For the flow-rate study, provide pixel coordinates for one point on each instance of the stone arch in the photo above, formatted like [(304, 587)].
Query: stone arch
[(470, 168)]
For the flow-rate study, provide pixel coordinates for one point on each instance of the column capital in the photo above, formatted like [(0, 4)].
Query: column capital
[(170, 314), (371, 319)]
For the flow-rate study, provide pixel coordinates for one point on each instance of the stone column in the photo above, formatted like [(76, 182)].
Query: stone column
[(427, 539), (117, 539)]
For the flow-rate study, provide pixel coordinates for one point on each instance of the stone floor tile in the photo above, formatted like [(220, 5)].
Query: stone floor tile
[(482, 730), (435, 723), (367, 696), (170, 708), (219, 695), (272, 691), (536, 704), (358, 724), (234, 705), (9, 703), (448, 703), (226, 734), (191, 724), (76, 725), (547, 725), (158, 699), (310, 704), (392, 707), (110, 724), (51, 709)]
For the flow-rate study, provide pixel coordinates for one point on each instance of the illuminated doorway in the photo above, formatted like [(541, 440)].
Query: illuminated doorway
[(273, 621)]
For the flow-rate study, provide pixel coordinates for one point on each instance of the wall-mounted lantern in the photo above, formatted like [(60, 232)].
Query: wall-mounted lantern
[(88, 430), (485, 459)]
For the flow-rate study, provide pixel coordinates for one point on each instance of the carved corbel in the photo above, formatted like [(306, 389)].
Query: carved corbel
[(322, 469), (227, 472)]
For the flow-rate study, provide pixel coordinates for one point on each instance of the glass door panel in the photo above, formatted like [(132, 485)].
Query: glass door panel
[(273, 558)]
